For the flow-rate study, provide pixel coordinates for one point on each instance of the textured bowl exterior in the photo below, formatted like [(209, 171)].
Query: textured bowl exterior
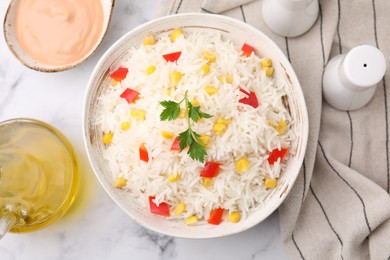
[(25, 59), (238, 32)]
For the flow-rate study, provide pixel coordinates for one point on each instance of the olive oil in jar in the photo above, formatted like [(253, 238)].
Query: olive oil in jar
[(38, 174)]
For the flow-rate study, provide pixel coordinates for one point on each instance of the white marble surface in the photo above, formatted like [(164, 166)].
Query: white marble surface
[(95, 228)]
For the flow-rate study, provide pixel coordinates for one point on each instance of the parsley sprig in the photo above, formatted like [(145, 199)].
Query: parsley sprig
[(188, 138)]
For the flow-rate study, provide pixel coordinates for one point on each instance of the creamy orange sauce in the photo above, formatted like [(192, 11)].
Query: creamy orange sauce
[(58, 32)]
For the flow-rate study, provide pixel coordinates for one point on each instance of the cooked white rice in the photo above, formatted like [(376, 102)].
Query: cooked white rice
[(248, 135)]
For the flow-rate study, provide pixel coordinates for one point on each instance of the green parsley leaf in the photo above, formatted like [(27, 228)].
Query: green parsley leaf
[(193, 113), (187, 138), (171, 111), (204, 115), (197, 152)]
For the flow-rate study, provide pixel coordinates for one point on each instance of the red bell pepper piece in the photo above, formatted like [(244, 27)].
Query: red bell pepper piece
[(216, 216), (275, 154), (162, 209), (210, 170), (251, 100), (143, 153), (172, 57), (120, 74), (247, 49), (130, 95), (175, 145)]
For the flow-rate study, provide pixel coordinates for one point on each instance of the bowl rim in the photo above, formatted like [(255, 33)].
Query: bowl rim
[(298, 93), (53, 68)]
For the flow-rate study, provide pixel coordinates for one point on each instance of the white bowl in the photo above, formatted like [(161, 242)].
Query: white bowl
[(239, 33), (25, 59)]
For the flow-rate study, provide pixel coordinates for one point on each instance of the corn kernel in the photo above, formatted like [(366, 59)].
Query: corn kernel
[(175, 78), (227, 78), (174, 177), (191, 220), (211, 90), (195, 103), (270, 183), (176, 34), (281, 127), (107, 137), (210, 56), (219, 128), (205, 140), (225, 122), (149, 40), (182, 113), (125, 126), (150, 69), (205, 68), (120, 183), (137, 114), (168, 91), (114, 83), (270, 123), (242, 165), (268, 71), (207, 182), (266, 63), (234, 217), (167, 134), (180, 208)]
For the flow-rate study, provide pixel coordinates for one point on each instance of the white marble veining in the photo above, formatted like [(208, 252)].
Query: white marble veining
[(95, 228)]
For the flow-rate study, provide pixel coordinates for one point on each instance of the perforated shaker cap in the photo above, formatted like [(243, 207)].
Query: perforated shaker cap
[(364, 66)]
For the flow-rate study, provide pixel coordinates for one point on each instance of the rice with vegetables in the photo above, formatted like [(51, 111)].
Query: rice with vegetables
[(195, 128)]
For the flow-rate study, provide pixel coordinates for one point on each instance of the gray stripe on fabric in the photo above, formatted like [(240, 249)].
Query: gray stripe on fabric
[(322, 39), (385, 101), (287, 50), (296, 246), (178, 6), (351, 136), (172, 7), (348, 184), (348, 113), (338, 24), (243, 14), (304, 181), (327, 219), (206, 11)]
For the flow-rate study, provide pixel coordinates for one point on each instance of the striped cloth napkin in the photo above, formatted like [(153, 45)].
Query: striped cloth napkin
[(339, 207)]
